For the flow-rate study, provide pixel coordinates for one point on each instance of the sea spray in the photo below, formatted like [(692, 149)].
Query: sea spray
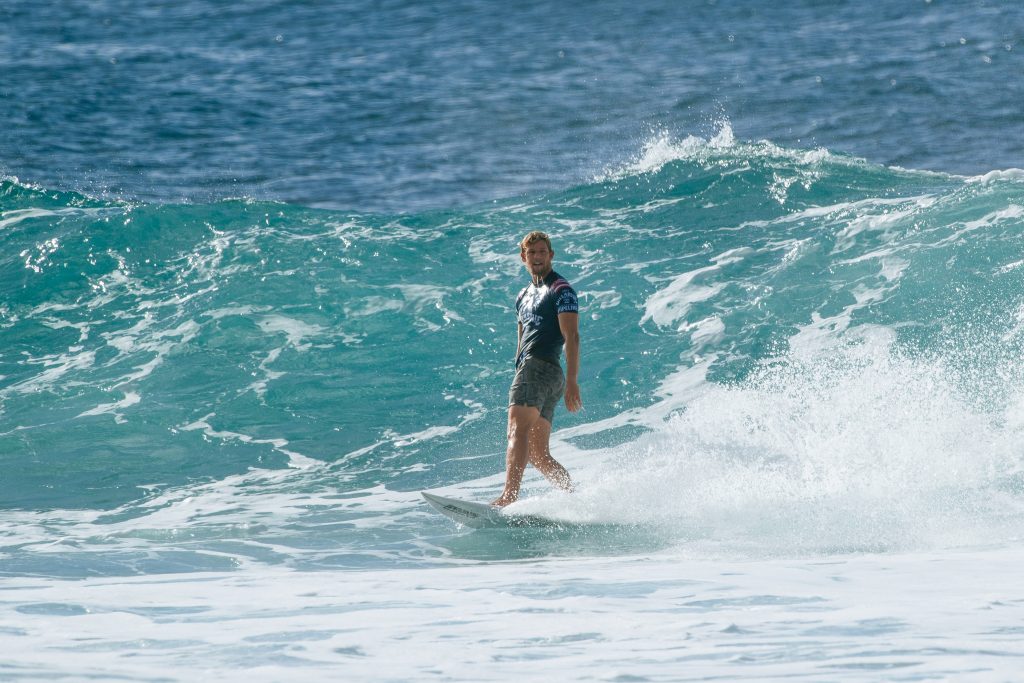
[(860, 447)]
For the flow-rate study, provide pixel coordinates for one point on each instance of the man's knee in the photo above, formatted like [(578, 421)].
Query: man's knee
[(540, 433), (521, 421)]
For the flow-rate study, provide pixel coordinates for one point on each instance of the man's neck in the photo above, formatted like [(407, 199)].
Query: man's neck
[(538, 280)]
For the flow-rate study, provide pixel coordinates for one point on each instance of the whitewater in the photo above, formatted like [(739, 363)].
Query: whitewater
[(799, 459)]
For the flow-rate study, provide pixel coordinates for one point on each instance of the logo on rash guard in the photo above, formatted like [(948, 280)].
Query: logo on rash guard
[(527, 317), (528, 314)]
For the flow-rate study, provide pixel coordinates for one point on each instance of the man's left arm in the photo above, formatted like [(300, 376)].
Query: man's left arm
[(570, 326)]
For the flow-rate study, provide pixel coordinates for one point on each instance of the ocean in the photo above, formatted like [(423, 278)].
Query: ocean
[(258, 270)]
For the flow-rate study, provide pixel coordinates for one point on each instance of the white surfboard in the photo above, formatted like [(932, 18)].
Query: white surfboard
[(481, 515)]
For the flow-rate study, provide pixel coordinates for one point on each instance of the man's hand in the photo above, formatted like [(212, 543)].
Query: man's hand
[(572, 397)]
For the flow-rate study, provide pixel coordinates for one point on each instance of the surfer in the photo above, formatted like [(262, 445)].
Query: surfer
[(548, 314)]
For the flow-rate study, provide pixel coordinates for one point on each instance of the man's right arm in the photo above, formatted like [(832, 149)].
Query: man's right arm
[(569, 325)]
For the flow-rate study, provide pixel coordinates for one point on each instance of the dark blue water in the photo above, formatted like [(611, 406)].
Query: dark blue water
[(401, 106)]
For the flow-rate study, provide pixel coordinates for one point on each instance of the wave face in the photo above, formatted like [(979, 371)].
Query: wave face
[(784, 351)]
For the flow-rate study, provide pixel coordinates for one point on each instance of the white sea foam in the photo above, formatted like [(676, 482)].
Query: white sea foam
[(616, 619), (1013, 174), (477, 411), (295, 331), (83, 328), (57, 366), (887, 224), (130, 398), (229, 311), (295, 459), (663, 148), (673, 302), (141, 339), (9, 219), (1011, 213), (846, 445), (706, 331), (419, 299)]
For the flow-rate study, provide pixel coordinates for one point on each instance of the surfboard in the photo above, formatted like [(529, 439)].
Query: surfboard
[(481, 515)]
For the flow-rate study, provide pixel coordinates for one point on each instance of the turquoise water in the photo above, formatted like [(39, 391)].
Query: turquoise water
[(156, 350)]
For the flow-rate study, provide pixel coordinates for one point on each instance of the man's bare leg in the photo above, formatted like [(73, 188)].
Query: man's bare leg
[(521, 420), (540, 456)]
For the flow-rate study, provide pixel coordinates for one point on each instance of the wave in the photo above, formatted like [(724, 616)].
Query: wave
[(765, 329)]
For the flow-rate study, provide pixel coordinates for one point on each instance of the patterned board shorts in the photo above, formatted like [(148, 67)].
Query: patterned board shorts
[(540, 384)]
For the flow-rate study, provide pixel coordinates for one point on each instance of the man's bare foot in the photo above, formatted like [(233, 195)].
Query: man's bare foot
[(503, 500)]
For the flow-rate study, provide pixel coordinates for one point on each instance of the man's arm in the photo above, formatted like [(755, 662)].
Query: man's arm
[(569, 323), (519, 343)]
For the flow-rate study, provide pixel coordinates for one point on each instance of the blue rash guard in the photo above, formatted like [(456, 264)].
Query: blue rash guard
[(537, 309)]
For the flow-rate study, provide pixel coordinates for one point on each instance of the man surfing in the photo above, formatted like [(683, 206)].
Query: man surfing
[(548, 314)]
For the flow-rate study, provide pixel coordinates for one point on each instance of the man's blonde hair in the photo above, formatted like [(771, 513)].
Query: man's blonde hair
[(535, 236)]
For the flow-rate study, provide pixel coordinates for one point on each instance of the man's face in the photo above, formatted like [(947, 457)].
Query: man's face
[(537, 258)]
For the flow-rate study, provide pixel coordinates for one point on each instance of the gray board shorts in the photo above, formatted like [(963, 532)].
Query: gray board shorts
[(540, 384)]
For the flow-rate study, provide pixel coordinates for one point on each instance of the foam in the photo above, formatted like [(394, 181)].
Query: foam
[(851, 445), (1011, 174), (295, 459), (662, 149), (130, 399), (294, 330), (419, 298), (625, 618), (58, 365), (1010, 213), (673, 302), (9, 219)]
